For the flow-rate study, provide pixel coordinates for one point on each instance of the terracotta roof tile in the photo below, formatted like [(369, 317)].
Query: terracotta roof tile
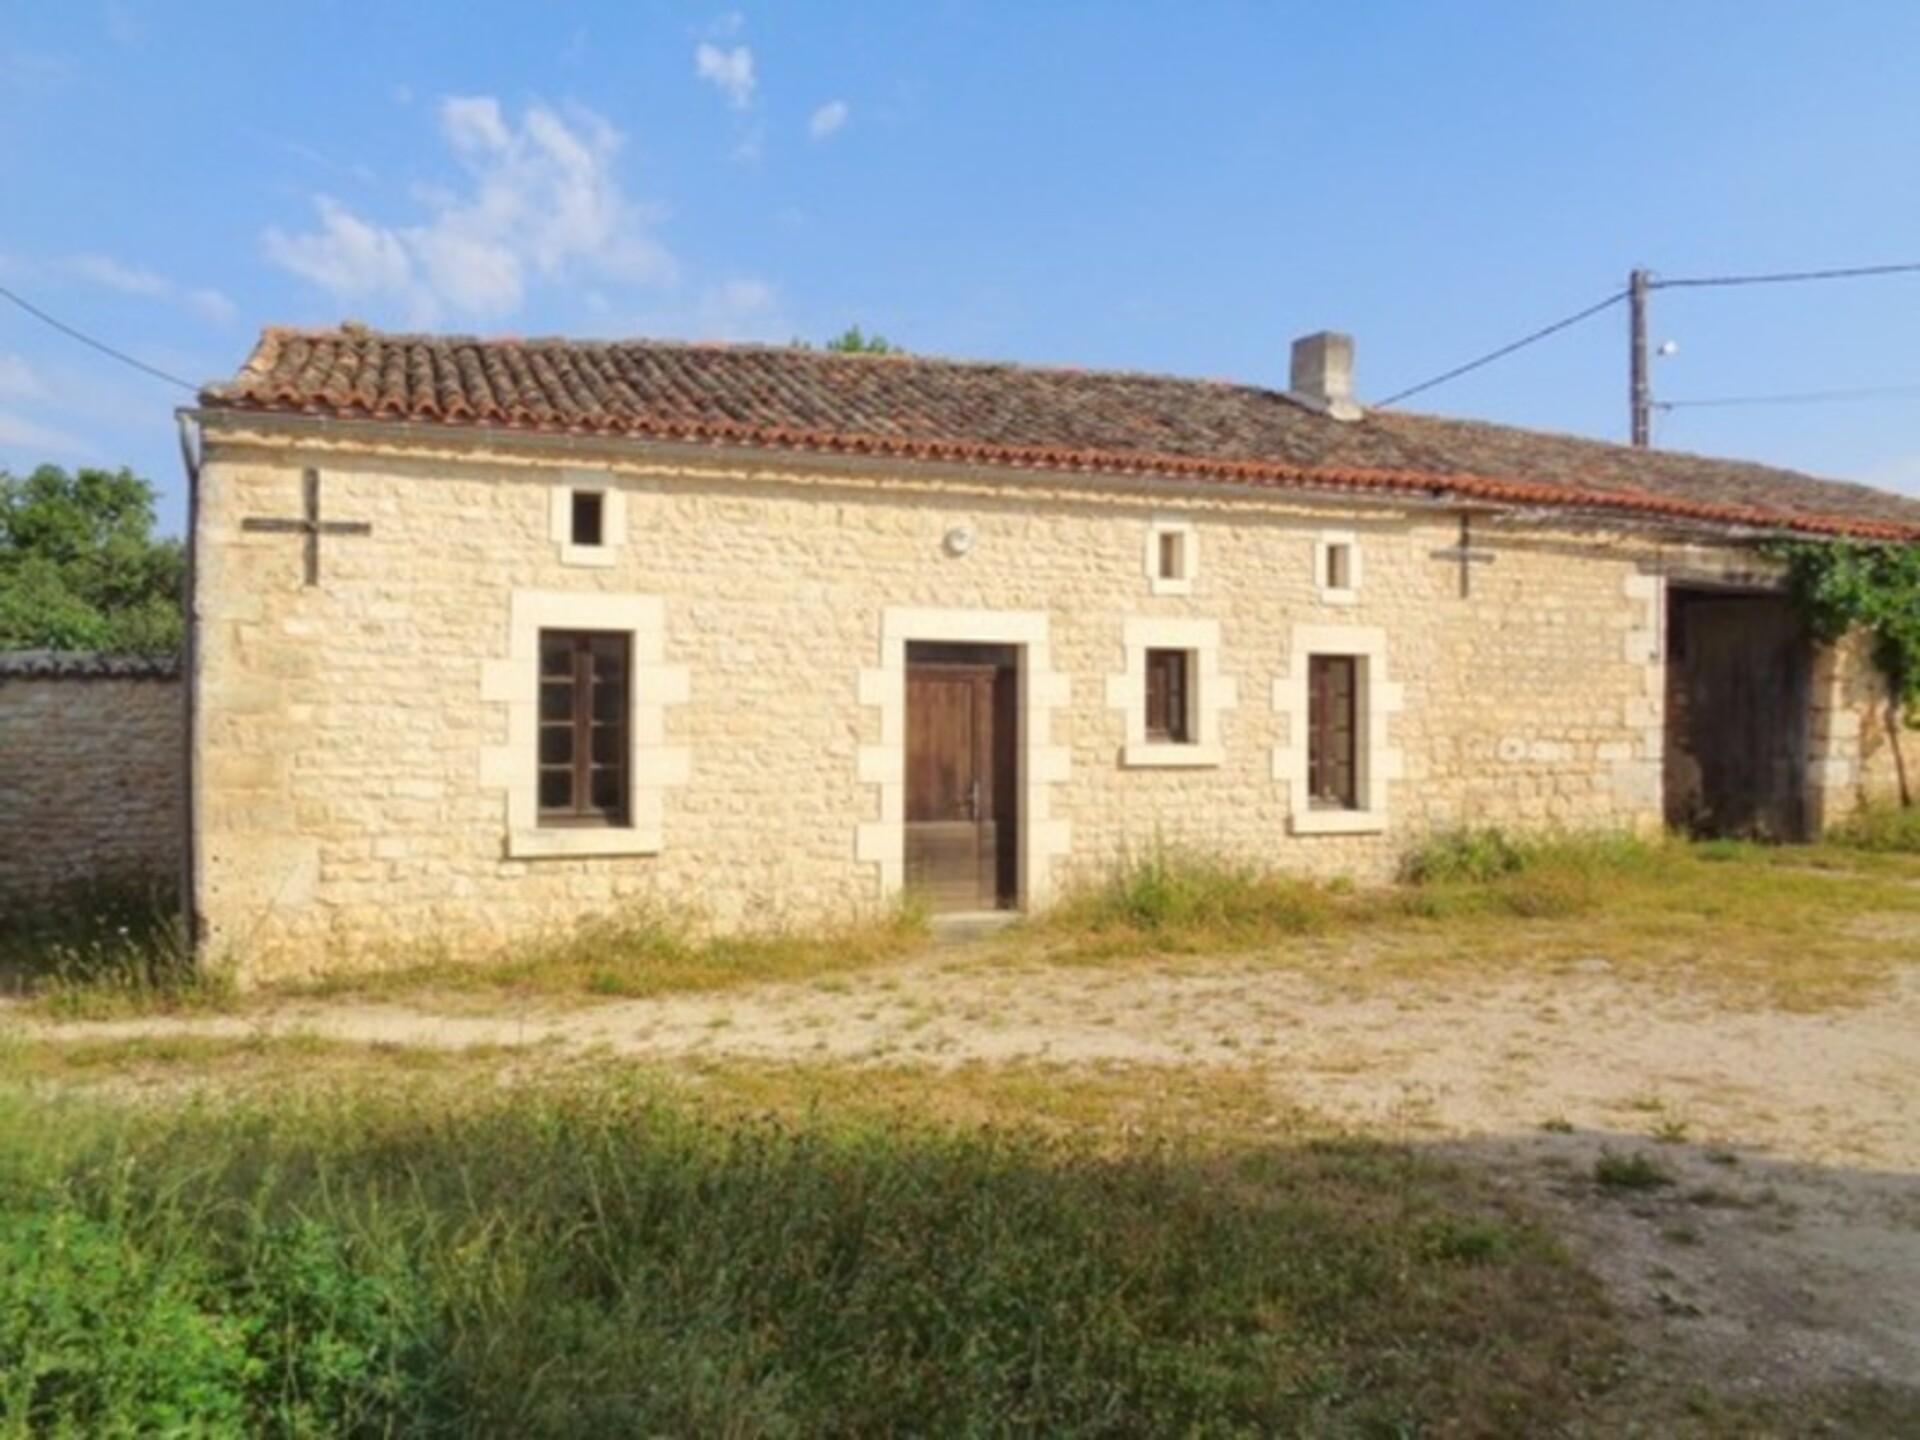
[(908, 407)]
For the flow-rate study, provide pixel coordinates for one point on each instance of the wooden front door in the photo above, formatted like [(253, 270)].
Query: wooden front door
[(1737, 716), (961, 824)]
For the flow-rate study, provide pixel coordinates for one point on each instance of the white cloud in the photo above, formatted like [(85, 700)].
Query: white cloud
[(828, 119), (18, 380), (26, 435), (743, 308), (541, 202), (347, 255), (213, 306), (730, 71), (105, 271), (128, 279)]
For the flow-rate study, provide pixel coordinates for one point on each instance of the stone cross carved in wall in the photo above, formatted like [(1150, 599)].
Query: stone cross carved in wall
[(310, 524), (1465, 555)]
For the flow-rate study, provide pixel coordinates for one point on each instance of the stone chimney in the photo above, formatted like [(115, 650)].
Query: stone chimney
[(1322, 377)]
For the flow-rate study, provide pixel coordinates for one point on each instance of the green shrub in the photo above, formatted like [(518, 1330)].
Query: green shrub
[(98, 1338), (1177, 897), (1638, 1171), (339, 1337), (603, 1262), (1882, 828), (1472, 856)]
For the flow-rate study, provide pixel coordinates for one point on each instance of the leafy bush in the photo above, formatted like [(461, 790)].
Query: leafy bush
[(603, 1261), (1176, 896), (1472, 855), (98, 1338), (1883, 828)]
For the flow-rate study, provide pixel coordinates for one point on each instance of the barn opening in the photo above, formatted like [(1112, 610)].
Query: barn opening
[(1739, 670)]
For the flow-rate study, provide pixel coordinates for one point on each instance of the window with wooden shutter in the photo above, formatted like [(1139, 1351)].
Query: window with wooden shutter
[(1332, 734), (1169, 696), (584, 707)]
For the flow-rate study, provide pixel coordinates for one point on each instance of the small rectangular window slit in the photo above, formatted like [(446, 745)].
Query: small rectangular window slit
[(1173, 555), (1339, 564), (589, 515)]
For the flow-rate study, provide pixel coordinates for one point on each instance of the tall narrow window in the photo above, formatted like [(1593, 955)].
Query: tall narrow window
[(589, 517), (1170, 696), (1332, 737), (1338, 572), (1173, 554), (584, 681)]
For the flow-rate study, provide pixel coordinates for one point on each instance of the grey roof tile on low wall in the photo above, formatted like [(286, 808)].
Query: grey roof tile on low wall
[(85, 665)]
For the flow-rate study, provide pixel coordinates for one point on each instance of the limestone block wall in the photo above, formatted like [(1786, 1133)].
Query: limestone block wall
[(360, 737), (92, 772), (1867, 754)]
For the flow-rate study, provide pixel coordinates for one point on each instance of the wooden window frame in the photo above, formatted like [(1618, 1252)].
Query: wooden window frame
[(598, 731), (1169, 696), (1335, 744)]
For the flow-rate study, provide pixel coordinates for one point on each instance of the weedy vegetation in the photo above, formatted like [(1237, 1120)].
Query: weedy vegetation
[(103, 947), (610, 1258), (1797, 927)]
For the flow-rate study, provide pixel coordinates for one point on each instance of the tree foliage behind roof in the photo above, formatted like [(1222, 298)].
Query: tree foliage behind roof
[(80, 568)]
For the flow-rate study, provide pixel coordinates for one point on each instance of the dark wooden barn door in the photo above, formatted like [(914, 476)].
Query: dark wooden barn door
[(961, 823), (1738, 683)]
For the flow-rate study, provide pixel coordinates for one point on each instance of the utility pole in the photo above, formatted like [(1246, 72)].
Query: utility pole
[(1639, 399)]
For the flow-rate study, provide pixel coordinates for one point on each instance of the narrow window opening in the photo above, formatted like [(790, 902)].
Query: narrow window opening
[(1170, 696), (1333, 745), (1339, 567), (589, 517), (1173, 555), (584, 705)]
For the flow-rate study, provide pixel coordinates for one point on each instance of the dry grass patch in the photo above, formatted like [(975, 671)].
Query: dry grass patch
[(640, 953), (1788, 927)]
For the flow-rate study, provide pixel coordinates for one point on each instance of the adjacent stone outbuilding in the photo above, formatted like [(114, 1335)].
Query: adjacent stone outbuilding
[(492, 635)]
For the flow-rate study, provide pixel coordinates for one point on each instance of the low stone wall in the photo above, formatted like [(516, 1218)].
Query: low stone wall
[(92, 770)]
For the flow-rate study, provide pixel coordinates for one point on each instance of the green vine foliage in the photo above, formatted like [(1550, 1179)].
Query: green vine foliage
[(1841, 585)]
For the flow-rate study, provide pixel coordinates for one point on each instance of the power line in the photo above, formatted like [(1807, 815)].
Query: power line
[(101, 346), (1504, 350), (1784, 277), (1804, 397)]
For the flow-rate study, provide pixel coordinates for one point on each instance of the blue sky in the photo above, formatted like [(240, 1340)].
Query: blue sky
[(1178, 188)]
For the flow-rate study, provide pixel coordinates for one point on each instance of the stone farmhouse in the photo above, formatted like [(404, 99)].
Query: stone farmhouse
[(491, 635)]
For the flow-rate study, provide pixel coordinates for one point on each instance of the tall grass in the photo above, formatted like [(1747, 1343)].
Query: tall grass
[(1882, 828), (646, 950), (1183, 900), (101, 945), (610, 1261)]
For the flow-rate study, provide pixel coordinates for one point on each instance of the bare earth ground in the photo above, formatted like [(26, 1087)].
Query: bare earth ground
[(1786, 1252)]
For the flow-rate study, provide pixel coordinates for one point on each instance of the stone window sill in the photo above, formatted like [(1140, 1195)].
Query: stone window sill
[(560, 843), (1167, 755), (1338, 822)]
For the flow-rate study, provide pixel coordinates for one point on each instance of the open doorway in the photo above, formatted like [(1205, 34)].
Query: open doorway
[(1739, 668)]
